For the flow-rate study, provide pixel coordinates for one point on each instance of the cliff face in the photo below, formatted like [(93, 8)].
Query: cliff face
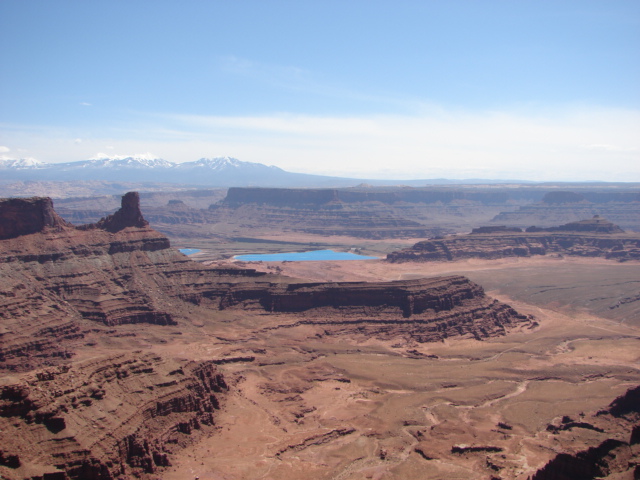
[(356, 212), (424, 310), (622, 208), (586, 239), (60, 283), (113, 417), (308, 196), (616, 451), (23, 216)]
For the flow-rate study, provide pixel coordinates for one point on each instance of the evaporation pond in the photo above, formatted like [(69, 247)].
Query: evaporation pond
[(189, 251), (315, 255)]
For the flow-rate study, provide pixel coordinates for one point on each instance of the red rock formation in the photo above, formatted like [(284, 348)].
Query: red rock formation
[(618, 450), (129, 215), (111, 417), (61, 282), (23, 216), (591, 238), (424, 310)]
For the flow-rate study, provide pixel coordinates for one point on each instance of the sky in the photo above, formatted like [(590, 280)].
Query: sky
[(519, 89)]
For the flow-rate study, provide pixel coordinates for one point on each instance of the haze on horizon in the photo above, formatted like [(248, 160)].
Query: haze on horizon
[(370, 89)]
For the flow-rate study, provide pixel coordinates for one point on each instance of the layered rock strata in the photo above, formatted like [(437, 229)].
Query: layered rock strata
[(557, 207), (62, 284), (423, 310), (615, 450), (112, 417), (591, 238)]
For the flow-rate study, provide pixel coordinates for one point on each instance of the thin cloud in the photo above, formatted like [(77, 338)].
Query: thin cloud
[(297, 79), (4, 149), (86, 104)]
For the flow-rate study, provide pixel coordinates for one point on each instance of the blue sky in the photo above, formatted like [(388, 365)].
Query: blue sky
[(541, 90)]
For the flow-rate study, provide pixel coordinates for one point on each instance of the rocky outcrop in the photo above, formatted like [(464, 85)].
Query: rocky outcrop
[(129, 215), (23, 216), (591, 238), (424, 310), (63, 285), (112, 417), (617, 450)]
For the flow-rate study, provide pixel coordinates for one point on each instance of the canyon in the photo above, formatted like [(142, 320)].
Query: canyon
[(123, 358)]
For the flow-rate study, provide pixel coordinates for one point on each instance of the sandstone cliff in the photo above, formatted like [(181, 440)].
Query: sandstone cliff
[(111, 417), (63, 285), (24, 216), (615, 451), (591, 238), (424, 310), (556, 207)]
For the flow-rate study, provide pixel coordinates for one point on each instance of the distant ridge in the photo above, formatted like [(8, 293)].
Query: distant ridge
[(220, 172), (210, 172)]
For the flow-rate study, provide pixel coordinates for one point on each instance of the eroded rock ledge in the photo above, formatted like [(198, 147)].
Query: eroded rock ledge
[(423, 310), (61, 283), (590, 238), (113, 417), (615, 452)]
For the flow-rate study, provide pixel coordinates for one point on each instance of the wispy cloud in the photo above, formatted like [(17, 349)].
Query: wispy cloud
[(86, 104), (297, 79), (4, 149)]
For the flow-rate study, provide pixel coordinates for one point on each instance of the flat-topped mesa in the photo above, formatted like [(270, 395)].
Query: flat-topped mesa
[(496, 229), (320, 196), (596, 224), (280, 196), (595, 237), (422, 310), (24, 216), (553, 198), (129, 215)]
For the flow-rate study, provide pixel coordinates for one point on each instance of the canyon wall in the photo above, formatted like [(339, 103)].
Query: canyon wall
[(63, 285), (591, 238), (615, 453), (424, 310), (118, 416)]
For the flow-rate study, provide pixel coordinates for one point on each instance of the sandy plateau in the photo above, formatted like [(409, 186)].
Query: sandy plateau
[(457, 409)]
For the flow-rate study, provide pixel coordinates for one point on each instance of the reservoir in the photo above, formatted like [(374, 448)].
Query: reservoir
[(189, 251), (315, 255)]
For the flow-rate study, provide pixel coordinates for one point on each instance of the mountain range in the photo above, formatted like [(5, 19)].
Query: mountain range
[(210, 172)]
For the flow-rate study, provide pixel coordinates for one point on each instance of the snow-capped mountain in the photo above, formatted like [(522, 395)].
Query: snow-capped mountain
[(20, 163), (146, 160), (226, 164), (216, 172)]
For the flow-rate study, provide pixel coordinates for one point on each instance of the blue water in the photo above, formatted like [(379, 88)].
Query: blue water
[(316, 255), (189, 251)]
